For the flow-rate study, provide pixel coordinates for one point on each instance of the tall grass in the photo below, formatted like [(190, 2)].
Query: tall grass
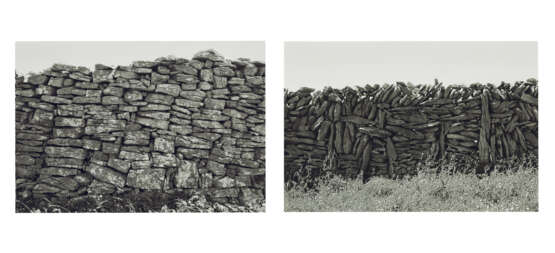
[(514, 190)]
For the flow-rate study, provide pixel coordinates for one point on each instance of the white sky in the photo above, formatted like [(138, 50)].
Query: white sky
[(338, 64), (38, 56)]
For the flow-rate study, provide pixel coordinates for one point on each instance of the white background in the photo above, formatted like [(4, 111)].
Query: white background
[(276, 231)]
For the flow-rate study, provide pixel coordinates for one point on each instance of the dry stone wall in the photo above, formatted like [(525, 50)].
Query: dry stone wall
[(388, 129), (165, 125)]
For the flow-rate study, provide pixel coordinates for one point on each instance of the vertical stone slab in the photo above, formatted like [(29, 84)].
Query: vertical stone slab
[(483, 146)]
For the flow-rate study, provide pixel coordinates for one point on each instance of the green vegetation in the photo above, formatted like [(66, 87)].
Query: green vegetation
[(500, 191)]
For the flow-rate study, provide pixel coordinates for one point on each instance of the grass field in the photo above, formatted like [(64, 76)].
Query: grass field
[(510, 191)]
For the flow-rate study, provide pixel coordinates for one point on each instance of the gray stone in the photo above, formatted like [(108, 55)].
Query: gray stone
[(188, 103), (133, 95), (186, 69), (217, 169), (113, 91), (69, 152), (187, 175), (210, 54), (206, 75), (65, 142), (164, 160), (55, 100), (214, 104), (86, 85), (142, 70), (137, 138), (87, 100), (106, 175), (120, 165), (37, 79), (224, 71), (192, 142), (180, 129), (156, 78), (70, 122), (91, 144), (220, 82), (25, 93), (133, 156), (160, 124), (112, 100), (67, 132), (205, 86), (57, 171), (169, 89), (255, 80), (155, 115), (150, 179), (224, 182), (126, 74), (155, 107), (93, 93), (159, 99), (164, 145), (141, 164), (234, 113), (56, 81), (100, 188), (236, 81), (207, 124), (110, 148)]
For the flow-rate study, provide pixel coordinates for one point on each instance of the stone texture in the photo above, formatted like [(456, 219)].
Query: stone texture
[(106, 175), (187, 175), (151, 179)]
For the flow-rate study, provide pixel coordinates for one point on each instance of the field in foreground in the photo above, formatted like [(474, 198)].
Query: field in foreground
[(510, 191)]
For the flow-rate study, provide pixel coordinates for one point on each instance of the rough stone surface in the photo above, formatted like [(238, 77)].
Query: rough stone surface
[(165, 125)]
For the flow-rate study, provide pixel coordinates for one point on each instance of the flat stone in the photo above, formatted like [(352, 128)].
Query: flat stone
[(155, 107), (110, 148), (112, 100), (147, 179), (69, 152), (186, 69), (65, 142), (102, 75), (220, 82), (192, 142), (188, 103), (64, 162), (113, 91), (195, 95), (207, 124), (214, 104), (66, 183), (119, 165), (206, 75), (126, 74), (156, 78), (91, 144), (169, 89), (106, 175), (56, 81), (87, 100), (25, 93), (188, 79), (100, 188), (67, 132), (37, 79), (164, 145), (133, 95), (69, 122), (255, 80), (234, 113), (55, 100), (159, 99), (236, 81), (57, 171), (210, 54), (155, 115), (180, 129), (141, 164), (133, 156), (137, 138), (187, 175), (160, 124), (217, 169), (224, 71), (164, 160), (45, 90), (224, 182)]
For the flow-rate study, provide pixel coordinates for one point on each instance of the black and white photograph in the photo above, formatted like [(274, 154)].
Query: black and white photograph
[(411, 126), (140, 127)]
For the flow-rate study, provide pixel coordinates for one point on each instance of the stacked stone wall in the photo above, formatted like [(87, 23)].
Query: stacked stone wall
[(165, 125), (388, 130)]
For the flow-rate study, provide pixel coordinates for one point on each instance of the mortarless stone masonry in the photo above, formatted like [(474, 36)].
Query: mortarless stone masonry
[(165, 125), (388, 129)]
